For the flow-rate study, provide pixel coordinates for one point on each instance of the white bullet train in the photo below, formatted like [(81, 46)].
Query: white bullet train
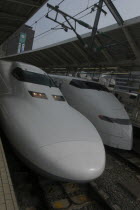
[(51, 136), (101, 107)]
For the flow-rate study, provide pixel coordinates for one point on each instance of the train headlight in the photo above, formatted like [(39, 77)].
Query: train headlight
[(38, 95), (58, 98)]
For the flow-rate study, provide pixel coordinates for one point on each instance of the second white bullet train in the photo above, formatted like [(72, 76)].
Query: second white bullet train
[(101, 107), (52, 137)]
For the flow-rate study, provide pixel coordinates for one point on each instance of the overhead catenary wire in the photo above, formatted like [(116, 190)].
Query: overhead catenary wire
[(49, 30), (57, 5), (52, 29), (36, 21), (65, 21), (103, 34)]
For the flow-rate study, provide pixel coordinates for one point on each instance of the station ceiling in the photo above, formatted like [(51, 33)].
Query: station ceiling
[(114, 46), (14, 13)]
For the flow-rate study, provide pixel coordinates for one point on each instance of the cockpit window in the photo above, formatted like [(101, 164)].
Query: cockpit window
[(88, 85), (31, 77)]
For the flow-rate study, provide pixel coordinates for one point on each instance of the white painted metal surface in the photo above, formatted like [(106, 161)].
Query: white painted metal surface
[(52, 136), (101, 107)]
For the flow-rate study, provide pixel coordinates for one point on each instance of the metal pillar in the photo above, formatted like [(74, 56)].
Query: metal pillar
[(114, 11), (96, 22)]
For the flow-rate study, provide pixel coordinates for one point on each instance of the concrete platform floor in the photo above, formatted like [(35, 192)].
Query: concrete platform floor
[(7, 196)]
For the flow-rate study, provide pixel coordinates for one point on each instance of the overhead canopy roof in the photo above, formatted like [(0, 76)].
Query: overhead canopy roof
[(13, 13), (114, 46)]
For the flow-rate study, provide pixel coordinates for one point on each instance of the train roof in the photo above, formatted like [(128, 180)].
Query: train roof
[(69, 78), (23, 66)]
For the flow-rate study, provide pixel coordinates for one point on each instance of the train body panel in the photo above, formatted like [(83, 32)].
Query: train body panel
[(101, 107), (44, 129)]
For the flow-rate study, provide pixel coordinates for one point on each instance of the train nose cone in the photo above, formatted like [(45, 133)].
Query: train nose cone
[(76, 161), (122, 138)]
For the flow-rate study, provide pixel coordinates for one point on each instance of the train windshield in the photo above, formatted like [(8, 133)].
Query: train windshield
[(32, 77), (88, 85)]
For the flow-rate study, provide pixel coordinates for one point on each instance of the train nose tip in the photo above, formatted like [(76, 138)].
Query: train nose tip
[(77, 161), (81, 167)]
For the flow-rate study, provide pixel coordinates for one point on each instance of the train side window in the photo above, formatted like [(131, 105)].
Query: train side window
[(76, 83), (132, 97), (88, 85)]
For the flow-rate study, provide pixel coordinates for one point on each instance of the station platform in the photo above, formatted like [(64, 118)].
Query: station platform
[(7, 196)]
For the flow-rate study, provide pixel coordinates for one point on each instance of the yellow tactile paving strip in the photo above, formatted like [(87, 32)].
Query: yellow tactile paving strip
[(7, 196)]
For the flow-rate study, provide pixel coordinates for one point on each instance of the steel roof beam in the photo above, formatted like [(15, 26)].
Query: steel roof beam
[(34, 60), (49, 60), (26, 2), (7, 27), (96, 22), (104, 51), (37, 58), (123, 63), (39, 61), (58, 57), (131, 42), (4, 15), (68, 55), (42, 61), (26, 59), (114, 11), (81, 51)]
